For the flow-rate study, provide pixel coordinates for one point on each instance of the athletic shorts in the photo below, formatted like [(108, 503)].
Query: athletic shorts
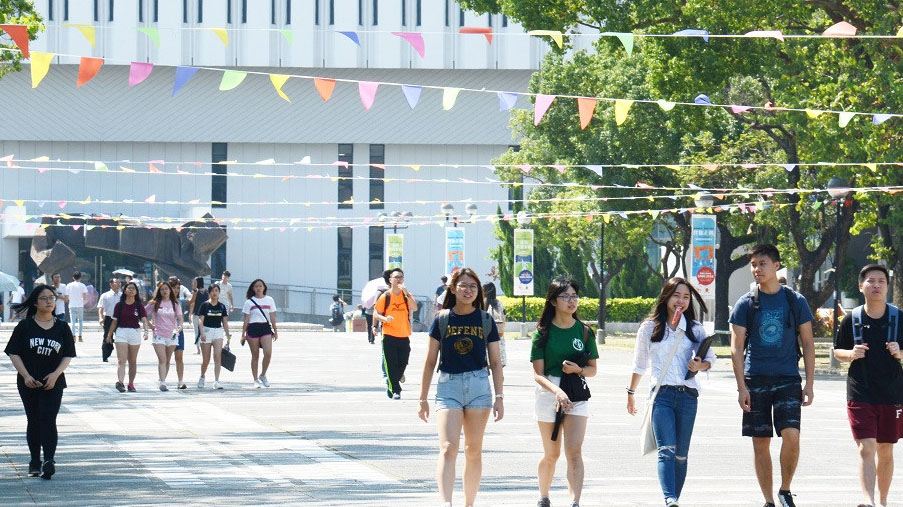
[(258, 330), (775, 404), (546, 404), (163, 340), (881, 422), (129, 335), (463, 391), (212, 334)]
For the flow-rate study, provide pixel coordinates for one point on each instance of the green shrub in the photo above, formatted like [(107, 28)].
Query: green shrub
[(619, 309)]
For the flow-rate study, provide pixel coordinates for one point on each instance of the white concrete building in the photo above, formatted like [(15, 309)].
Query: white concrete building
[(106, 120)]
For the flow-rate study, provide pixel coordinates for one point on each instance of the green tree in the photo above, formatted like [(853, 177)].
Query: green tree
[(17, 12)]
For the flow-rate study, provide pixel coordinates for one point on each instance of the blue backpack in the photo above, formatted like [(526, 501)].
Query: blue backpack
[(893, 321)]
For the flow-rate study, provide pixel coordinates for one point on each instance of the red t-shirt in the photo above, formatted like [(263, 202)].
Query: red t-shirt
[(129, 315)]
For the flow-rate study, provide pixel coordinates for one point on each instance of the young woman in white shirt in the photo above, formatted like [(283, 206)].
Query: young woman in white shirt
[(259, 328), (674, 409)]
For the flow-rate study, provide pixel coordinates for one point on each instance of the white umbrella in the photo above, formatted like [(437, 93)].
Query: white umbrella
[(371, 291), (124, 272), (8, 283)]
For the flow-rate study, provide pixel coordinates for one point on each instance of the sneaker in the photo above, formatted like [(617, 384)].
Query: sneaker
[(671, 502), (264, 381), (120, 387), (106, 360), (397, 396), (34, 468), (201, 383), (389, 394), (217, 385), (786, 499), (182, 385), (163, 386), (401, 380), (80, 339), (47, 470), (132, 388), (769, 504), (257, 384), (544, 502)]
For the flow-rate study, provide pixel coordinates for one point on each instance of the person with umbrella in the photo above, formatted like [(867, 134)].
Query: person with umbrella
[(559, 338)]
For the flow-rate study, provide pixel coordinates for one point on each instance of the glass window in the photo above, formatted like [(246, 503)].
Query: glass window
[(184, 11), (331, 12), (244, 11), (377, 249), (288, 12), (343, 269), (272, 11), (460, 17), (346, 184), (489, 17), (109, 16), (66, 10), (504, 20), (200, 11), (375, 12), (404, 13), (228, 11), (218, 260), (316, 12), (96, 10), (50, 10), (141, 11), (360, 12), (156, 10), (447, 9), (377, 185), (218, 182), (419, 12)]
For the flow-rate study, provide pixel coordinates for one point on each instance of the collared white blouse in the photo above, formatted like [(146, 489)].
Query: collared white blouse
[(646, 353)]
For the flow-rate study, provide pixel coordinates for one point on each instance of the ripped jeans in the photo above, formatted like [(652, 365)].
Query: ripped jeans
[(673, 416)]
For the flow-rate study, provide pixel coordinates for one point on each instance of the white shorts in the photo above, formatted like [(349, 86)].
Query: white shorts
[(127, 335), (212, 334), (171, 341), (546, 404)]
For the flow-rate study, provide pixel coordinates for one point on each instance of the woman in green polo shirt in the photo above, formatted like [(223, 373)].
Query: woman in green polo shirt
[(560, 336)]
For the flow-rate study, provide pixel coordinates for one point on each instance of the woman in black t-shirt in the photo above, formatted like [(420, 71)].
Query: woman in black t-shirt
[(214, 327), (40, 348), (198, 297)]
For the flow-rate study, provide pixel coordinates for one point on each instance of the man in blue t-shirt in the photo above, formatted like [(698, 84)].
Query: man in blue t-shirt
[(765, 324)]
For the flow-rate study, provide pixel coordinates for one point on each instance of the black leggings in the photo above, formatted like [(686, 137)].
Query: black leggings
[(41, 408)]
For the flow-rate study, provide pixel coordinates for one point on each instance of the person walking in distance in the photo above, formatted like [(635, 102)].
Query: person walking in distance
[(259, 328), (465, 344), (765, 326), (198, 296), (869, 339), (40, 349), (61, 298), (105, 306), (337, 314), (128, 315), (214, 328), (440, 290), (183, 295), (165, 313), (76, 292), (393, 309), (225, 289)]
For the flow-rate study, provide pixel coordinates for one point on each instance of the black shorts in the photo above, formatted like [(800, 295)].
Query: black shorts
[(259, 330), (780, 396)]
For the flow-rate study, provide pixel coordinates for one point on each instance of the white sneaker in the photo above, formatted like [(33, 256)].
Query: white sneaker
[(217, 385), (257, 384), (264, 381), (401, 380), (201, 383), (163, 386)]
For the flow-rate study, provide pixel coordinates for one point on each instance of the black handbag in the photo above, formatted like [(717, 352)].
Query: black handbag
[(228, 359)]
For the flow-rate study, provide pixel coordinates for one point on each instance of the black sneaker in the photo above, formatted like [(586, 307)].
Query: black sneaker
[(786, 499), (47, 470), (34, 468), (544, 502), (769, 504), (120, 387)]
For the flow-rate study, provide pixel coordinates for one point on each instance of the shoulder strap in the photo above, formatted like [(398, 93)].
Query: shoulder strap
[(487, 325), (751, 315), (442, 323), (857, 325), (893, 322), (265, 316), (790, 294)]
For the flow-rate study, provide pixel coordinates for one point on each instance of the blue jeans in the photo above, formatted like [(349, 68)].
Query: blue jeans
[(673, 416), (77, 318)]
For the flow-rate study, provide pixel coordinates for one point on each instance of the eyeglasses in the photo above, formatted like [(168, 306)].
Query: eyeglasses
[(396, 278), (47, 299), (569, 298), (468, 288)]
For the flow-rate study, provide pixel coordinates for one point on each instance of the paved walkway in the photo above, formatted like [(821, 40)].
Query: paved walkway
[(325, 434)]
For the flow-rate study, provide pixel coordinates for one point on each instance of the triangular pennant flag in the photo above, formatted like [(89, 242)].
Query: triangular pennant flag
[(845, 118), (487, 32), (411, 94), (278, 80), (153, 33), (554, 34), (702, 99), (627, 41), (691, 32), (19, 202), (586, 107), (183, 74), (289, 36), (878, 119), (231, 79), (872, 167), (40, 64), (415, 39), (100, 166), (19, 35), (152, 199), (842, 29), (367, 91), (449, 96), (740, 109), (622, 106), (222, 34), (606, 218), (139, 71), (87, 69), (900, 32), (541, 106), (324, 87), (665, 104), (87, 32), (766, 33), (353, 36), (507, 100), (813, 113)]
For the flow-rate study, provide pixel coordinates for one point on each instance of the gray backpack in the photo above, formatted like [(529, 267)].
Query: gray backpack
[(443, 317)]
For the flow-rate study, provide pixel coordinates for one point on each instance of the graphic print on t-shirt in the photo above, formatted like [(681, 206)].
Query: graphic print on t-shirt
[(578, 344), (771, 327), (464, 344), (44, 346)]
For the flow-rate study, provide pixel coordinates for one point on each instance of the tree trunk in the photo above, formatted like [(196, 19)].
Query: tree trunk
[(724, 268)]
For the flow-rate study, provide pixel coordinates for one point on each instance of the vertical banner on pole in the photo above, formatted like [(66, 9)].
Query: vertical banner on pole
[(394, 251), (523, 262), (702, 271), (454, 249)]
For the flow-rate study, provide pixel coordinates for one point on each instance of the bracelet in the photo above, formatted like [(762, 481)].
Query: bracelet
[(630, 391), (423, 401), (500, 396)]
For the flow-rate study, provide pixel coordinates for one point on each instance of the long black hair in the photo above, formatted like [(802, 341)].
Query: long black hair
[(491, 298), (251, 288), (557, 287), (137, 293), (450, 300), (30, 305), (659, 314)]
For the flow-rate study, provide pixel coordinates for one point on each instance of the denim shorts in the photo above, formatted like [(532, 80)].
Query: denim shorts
[(464, 390)]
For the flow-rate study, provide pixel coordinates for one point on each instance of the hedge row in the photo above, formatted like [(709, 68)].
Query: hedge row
[(619, 310)]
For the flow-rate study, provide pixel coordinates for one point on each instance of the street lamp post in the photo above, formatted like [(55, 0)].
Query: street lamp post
[(395, 217), (523, 220), (449, 211), (838, 189)]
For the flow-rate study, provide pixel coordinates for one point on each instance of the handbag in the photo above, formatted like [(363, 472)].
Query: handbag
[(228, 359), (647, 434)]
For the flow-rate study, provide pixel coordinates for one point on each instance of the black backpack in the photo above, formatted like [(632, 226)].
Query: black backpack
[(790, 294), (336, 314)]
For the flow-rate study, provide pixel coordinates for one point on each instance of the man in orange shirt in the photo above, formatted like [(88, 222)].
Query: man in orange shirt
[(393, 309)]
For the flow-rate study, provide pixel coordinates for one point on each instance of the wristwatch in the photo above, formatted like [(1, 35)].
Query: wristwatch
[(500, 396)]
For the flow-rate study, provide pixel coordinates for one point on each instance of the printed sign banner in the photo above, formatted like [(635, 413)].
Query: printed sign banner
[(702, 272), (454, 249), (523, 262), (394, 251)]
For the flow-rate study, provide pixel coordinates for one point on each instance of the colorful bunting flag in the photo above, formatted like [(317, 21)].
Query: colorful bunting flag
[(692, 32), (487, 32), (813, 113), (507, 100), (183, 74), (87, 69), (625, 38), (415, 39), (845, 118), (411, 94), (100, 166), (40, 64), (19, 35), (222, 34), (585, 108), (702, 99), (231, 79), (449, 96), (153, 33), (288, 35), (353, 36), (740, 109), (666, 105), (324, 87), (766, 33), (367, 91), (842, 29), (87, 32), (878, 119), (541, 106), (554, 34), (278, 80), (621, 109), (139, 71)]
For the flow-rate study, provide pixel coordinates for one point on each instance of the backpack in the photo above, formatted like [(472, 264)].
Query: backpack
[(893, 322), (388, 294), (444, 316), (790, 294), (336, 314)]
